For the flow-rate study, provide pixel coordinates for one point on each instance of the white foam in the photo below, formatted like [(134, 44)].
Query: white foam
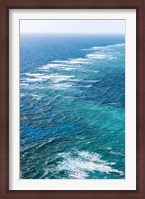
[(34, 74), (117, 153), (67, 69), (76, 80), (33, 80), (91, 81), (49, 66), (62, 86), (23, 84), (55, 78), (119, 45), (72, 61), (93, 71), (105, 47), (44, 70), (79, 166), (94, 157), (58, 61), (99, 56), (60, 78), (83, 49), (67, 64)]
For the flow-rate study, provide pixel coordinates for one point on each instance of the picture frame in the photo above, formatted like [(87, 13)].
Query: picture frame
[(5, 102)]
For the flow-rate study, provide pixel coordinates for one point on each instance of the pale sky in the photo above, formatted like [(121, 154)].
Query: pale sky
[(72, 26)]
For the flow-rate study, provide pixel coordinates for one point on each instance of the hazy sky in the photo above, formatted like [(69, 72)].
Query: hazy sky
[(72, 26)]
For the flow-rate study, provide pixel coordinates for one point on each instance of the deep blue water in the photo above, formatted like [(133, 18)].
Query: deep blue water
[(72, 106)]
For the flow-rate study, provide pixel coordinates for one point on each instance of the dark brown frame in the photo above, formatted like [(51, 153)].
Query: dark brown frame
[(139, 5)]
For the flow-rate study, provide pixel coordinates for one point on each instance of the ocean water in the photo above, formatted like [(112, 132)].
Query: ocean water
[(72, 106)]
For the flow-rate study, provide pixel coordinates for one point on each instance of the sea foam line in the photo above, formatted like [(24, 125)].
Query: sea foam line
[(105, 47), (55, 78), (62, 64)]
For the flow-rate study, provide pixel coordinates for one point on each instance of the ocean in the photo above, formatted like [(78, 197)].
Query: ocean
[(72, 106)]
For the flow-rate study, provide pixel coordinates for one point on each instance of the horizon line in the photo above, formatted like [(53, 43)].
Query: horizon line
[(68, 33)]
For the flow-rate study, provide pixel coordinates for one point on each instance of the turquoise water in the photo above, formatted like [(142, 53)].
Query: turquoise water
[(72, 107)]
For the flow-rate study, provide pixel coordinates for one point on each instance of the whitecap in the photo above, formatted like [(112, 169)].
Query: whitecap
[(72, 61), (34, 74), (55, 78), (33, 80), (91, 81), (84, 49), (108, 46), (23, 84), (99, 56), (82, 163), (59, 78), (116, 153), (92, 71), (49, 66), (67, 69), (75, 80), (62, 86)]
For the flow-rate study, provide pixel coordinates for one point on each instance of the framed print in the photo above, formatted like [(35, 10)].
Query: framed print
[(72, 99)]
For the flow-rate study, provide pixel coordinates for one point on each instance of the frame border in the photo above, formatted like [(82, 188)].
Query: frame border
[(5, 6)]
